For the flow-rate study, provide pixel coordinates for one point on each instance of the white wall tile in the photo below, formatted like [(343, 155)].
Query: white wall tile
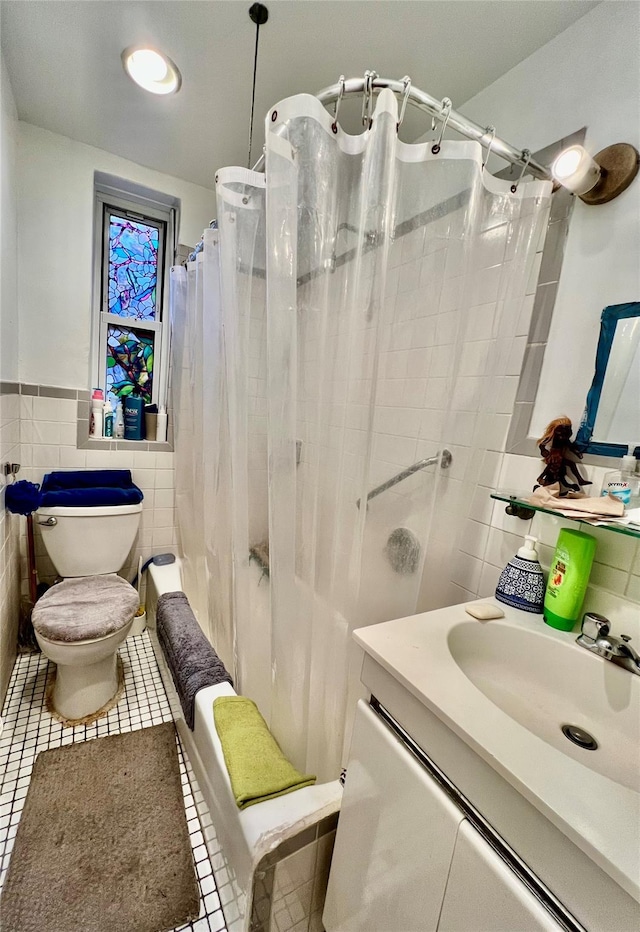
[(70, 458), (46, 457), (68, 434), (608, 577), (633, 588), (500, 519), (45, 432), (473, 538), (614, 550), (164, 479), (488, 580), (466, 572), (501, 547)]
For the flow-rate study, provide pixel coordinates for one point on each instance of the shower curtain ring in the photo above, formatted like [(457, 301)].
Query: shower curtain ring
[(405, 97), (526, 155), (367, 98), (492, 131), (444, 115), (334, 125)]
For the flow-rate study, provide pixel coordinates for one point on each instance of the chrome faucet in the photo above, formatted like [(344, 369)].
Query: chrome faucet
[(596, 638)]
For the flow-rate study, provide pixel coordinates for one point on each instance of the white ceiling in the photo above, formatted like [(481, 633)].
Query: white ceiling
[(63, 58)]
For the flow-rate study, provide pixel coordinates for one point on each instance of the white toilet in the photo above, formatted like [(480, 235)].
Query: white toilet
[(87, 546)]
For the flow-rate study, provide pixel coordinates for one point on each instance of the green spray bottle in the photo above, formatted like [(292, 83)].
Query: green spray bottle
[(568, 578)]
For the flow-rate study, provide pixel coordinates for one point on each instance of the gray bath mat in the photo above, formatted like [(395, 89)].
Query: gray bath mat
[(103, 842)]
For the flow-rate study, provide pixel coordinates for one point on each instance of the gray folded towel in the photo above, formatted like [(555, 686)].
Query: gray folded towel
[(192, 660)]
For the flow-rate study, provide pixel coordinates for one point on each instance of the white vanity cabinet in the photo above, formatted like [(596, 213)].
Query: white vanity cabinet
[(480, 706), (395, 839), (407, 860)]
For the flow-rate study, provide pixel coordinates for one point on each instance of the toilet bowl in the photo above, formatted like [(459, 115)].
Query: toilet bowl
[(87, 673), (81, 621), (79, 624)]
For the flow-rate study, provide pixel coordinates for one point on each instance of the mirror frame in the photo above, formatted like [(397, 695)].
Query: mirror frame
[(608, 323)]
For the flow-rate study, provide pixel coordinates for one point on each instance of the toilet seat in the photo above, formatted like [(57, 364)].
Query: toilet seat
[(85, 608)]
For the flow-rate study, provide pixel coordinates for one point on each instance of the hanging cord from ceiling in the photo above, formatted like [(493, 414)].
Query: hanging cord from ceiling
[(259, 14)]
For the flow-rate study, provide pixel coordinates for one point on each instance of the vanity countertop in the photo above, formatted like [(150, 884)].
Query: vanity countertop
[(538, 678)]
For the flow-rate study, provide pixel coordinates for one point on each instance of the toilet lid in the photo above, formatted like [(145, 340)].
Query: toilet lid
[(85, 608)]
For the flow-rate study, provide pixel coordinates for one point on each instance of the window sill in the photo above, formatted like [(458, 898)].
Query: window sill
[(110, 443)]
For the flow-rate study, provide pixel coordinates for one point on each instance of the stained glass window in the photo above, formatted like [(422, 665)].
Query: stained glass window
[(132, 241), (129, 363), (133, 268)]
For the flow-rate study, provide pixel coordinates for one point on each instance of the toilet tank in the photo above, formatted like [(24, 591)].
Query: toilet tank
[(88, 541)]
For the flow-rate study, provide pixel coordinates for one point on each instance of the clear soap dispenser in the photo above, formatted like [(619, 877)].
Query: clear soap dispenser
[(521, 584), (624, 483)]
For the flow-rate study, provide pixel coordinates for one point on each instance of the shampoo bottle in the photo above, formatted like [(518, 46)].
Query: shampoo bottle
[(568, 578), (161, 424), (119, 427), (108, 419), (133, 418), (96, 422)]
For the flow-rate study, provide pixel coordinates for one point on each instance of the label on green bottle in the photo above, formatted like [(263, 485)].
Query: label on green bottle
[(558, 573)]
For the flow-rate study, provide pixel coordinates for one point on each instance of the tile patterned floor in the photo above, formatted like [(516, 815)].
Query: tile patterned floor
[(29, 729)]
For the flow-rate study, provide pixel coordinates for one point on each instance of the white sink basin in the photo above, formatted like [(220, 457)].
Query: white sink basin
[(543, 683)]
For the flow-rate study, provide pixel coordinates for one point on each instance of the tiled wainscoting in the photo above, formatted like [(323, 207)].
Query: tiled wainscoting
[(9, 536), (54, 435), (291, 882)]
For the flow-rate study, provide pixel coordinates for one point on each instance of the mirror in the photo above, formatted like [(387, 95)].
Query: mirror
[(598, 266), (612, 411)]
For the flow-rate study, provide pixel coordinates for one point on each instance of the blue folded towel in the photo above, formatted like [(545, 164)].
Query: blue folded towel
[(192, 660), (90, 487)]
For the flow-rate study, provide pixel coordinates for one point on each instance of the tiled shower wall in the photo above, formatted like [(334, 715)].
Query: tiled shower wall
[(51, 437), (9, 533)]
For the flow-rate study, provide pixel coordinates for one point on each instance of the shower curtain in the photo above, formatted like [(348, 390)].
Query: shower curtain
[(388, 284), (201, 436)]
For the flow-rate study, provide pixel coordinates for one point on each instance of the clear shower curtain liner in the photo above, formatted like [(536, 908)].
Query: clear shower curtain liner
[(372, 294), (201, 432)]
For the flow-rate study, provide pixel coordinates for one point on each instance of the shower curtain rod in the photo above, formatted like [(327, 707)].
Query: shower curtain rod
[(431, 105), (372, 84)]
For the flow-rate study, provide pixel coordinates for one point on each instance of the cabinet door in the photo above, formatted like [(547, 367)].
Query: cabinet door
[(483, 894), (395, 838)]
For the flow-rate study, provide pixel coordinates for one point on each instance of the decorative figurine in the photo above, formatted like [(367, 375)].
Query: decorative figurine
[(561, 457)]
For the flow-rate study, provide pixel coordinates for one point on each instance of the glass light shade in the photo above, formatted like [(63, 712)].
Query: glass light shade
[(151, 70), (575, 170)]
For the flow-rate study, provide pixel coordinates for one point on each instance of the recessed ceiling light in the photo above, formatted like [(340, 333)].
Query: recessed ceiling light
[(151, 70)]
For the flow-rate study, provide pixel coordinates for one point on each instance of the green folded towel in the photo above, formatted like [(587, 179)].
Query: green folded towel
[(257, 767)]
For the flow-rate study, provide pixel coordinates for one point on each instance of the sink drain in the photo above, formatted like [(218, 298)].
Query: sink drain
[(580, 737)]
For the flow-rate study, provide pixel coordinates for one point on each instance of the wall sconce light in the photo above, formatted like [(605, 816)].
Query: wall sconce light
[(599, 179), (151, 70)]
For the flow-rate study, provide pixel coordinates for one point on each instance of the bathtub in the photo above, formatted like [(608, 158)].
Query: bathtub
[(241, 839)]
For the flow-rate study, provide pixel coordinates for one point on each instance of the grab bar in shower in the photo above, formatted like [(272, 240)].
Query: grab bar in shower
[(445, 459)]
